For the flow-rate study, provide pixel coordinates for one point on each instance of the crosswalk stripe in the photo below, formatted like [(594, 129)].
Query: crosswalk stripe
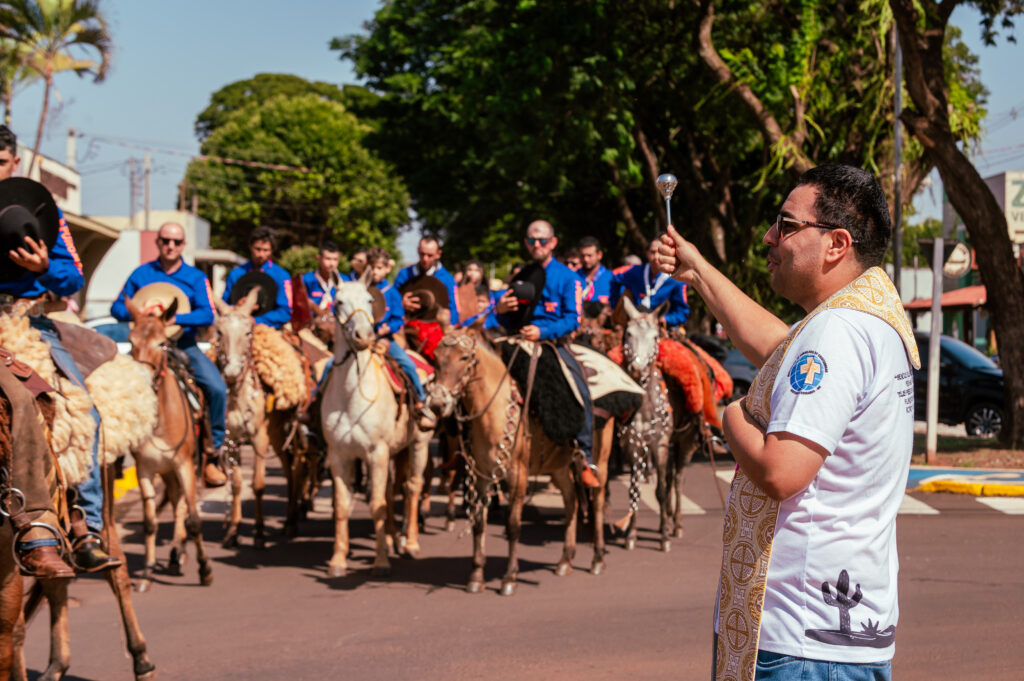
[(1007, 505), (726, 476), (912, 506), (650, 499)]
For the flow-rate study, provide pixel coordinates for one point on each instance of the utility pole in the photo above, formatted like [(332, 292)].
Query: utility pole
[(131, 192), (897, 181), (146, 180)]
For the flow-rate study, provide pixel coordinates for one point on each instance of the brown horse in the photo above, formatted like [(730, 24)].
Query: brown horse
[(169, 452), (10, 577), (250, 421), (473, 374)]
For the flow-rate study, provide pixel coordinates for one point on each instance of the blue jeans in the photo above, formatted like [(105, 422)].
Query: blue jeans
[(90, 492), (214, 390), (399, 354), (585, 438), (777, 667)]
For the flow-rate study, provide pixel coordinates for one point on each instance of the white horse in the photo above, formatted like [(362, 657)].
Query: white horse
[(362, 419)]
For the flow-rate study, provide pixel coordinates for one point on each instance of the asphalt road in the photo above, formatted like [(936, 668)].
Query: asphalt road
[(274, 614)]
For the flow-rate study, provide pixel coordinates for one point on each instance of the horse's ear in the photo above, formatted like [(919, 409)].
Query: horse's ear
[(366, 278), (629, 308), (659, 312), (444, 318), (222, 307), (246, 304), (133, 309), (172, 309)]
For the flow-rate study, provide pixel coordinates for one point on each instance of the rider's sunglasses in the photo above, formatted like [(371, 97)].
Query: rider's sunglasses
[(173, 242), (786, 226), (534, 240)]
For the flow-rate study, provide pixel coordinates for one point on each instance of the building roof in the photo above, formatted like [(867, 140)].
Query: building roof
[(967, 297)]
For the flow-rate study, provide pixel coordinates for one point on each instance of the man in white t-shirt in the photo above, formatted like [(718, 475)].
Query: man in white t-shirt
[(831, 446)]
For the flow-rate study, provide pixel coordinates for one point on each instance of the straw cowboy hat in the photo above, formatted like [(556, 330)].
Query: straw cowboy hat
[(154, 299), (26, 209)]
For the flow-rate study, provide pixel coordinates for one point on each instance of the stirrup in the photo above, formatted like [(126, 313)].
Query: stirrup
[(61, 543)]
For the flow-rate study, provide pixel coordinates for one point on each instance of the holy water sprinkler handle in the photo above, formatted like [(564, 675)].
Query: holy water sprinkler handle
[(667, 183)]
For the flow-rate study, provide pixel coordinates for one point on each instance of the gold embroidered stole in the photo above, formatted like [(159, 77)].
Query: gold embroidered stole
[(751, 516)]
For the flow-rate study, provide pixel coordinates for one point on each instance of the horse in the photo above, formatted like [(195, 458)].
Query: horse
[(364, 421), (473, 375), (169, 452), (249, 420)]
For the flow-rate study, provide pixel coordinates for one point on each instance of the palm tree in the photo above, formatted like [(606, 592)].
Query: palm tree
[(13, 72), (51, 33)]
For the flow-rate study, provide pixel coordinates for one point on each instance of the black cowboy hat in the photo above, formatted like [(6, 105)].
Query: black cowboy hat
[(251, 280), (431, 293), (26, 209), (380, 306), (527, 287)]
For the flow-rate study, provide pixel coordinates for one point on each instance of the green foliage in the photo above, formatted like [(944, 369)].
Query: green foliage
[(298, 259), (336, 188), (929, 228)]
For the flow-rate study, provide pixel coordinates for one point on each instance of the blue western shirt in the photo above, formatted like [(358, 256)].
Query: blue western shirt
[(282, 312), (394, 314), (63, 277), (316, 292), (649, 291), (559, 308), (599, 287), (189, 279), (439, 272)]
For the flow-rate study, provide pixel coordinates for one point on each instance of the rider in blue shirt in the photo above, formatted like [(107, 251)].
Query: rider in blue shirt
[(649, 287), (556, 314), (429, 252), (597, 279), (261, 248), (322, 283), (170, 268)]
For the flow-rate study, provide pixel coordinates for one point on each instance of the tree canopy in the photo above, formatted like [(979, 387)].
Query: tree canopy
[(296, 163)]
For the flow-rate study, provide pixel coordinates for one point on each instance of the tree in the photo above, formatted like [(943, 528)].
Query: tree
[(297, 165), (52, 33), (490, 133), (923, 25)]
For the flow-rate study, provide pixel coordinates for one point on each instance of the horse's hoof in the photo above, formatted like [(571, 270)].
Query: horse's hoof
[(411, 552), (563, 569), (381, 571), (678, 533), (147, 676), (259, 543), (449, 526), (474, 587), (206, 580), (597, 568), (666, 546), (508, 587), (230, 541), (402, 544), (336, 571), (143, 586), (630, 544)]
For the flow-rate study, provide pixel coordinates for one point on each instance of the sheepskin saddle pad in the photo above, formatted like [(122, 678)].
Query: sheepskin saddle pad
[(280, 367), (555, 400)]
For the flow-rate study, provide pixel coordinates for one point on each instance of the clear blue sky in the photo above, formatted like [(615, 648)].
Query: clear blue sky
[(171, 56)]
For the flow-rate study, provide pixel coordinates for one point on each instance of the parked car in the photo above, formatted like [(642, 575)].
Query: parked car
[(742, 371), (970, 387)]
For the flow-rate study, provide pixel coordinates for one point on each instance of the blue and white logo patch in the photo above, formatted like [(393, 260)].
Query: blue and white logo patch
[(807, 373)]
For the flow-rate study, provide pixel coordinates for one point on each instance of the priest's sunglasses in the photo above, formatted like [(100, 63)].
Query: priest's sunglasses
[(786, 226)]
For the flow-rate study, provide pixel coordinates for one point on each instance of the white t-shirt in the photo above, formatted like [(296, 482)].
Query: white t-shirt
[(846, 384)]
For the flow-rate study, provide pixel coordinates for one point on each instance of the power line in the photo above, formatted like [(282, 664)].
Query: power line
[(200, 157)]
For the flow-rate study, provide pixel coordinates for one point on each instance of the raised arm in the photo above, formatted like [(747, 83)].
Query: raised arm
[(755, 331)]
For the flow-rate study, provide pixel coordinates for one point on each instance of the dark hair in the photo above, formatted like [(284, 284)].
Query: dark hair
[(588, 241), (852, 199), (262, 233), (375, 255), (572, 253), (8, 140), (482, 290), (329, 247), (428, 236), (362, 249), (466, 265)]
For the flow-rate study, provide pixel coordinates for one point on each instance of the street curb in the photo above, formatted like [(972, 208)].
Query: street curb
[(978, 482), (972, 488)]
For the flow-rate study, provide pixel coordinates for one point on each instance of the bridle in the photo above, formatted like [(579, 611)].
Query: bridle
[(347, 328)]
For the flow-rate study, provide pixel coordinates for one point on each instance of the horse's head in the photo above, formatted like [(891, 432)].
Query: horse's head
[(148, 335), (233, 332), (353, 314), (457, 361), (640, 341), (323, 327)]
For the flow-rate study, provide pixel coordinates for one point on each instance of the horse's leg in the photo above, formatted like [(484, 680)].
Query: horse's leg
[(179, 550), (235, 517), (476, 577), (56, 592), (603, 450), (665, 492), (291, 465), (186, 476), (391, 534), (343, 480), (260, 445), (149, 524), (378, 463), (10, 609), (121, 584), (564, 482), (419, 454)]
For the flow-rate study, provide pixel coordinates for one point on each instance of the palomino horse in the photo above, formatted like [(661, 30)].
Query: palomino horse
[(473, 374), (248, 419), (169, 452), (363, 421)]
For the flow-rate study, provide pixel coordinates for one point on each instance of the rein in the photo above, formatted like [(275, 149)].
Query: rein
[(354, 348)]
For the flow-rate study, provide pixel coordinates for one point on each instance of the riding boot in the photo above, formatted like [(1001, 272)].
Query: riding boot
[(89, 555), (213, 476)]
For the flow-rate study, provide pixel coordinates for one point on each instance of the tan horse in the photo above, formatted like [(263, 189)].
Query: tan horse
[(169, 453), (363, 421), (473, 374)]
